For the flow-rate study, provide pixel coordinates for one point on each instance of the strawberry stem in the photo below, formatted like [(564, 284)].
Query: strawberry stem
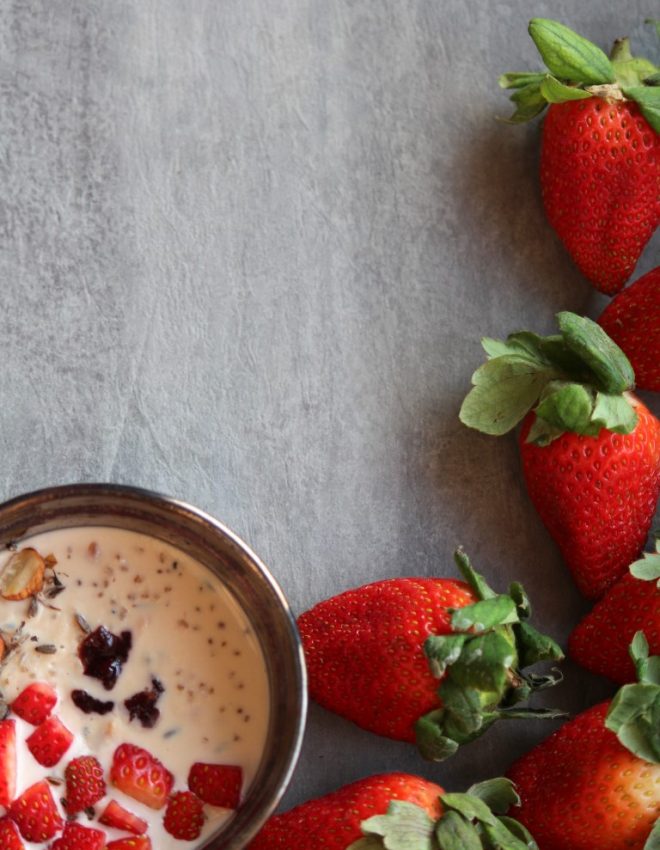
[(634, 711), (476, 819), (481, 666)]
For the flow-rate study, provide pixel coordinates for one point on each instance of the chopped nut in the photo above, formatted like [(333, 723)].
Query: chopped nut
[(23, 575)]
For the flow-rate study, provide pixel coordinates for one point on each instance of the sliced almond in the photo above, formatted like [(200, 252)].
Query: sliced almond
[(23, 575), (3, 647)]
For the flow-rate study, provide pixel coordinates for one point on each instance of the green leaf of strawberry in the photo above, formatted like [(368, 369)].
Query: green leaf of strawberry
[(554, 91), (578, 379), (653, 841), (634, 714), (568, 55), (405, 826), (498, 794), (505, 388), (647, 567), (610, 366), (648, 98)]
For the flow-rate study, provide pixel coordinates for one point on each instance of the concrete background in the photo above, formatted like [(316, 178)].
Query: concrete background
[(248, 250)]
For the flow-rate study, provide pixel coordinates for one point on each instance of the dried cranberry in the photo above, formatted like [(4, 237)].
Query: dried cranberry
[(143, 704), (103, 654), (89, 704)]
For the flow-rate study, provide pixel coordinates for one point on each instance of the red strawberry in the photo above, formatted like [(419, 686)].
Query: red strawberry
[(141, 776), (600, 156), (632, 319), (184, 816), (595, 152), (118, 817), (77, 837), (583, 788), (596, 496), (7, 762), (49, 742), (397, 810), (217, 784), (85, 784), (35, 813), (368, 651), (590, 450), (333, 821), (35, 703), (9, 837), (601, 641), (141, 843)]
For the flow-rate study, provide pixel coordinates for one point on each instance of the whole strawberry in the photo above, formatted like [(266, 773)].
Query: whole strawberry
[(632, 320), (600, 642), (590, 450), (432, 659), (399, 811), (600, 154), (595, 782)]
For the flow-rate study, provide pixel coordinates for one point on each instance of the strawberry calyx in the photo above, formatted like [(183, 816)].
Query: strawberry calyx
[(576, 381), (647, 568), (634, 711), (578, 69), (471, 820), (481, 667)]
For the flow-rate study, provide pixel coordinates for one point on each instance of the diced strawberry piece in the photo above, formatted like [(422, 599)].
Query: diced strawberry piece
[(141, 843), (184, 816), (35, 703), (35, 813), (141, 776), (7, 762), (9, 837), (120, 818), (85, 784), (49, 742), (217, 784), (77, 837)]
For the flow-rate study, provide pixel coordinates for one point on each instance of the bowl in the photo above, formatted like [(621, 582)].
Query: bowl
[(217, 548)]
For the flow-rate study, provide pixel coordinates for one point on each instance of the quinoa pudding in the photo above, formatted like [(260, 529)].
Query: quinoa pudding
[(143, 648)]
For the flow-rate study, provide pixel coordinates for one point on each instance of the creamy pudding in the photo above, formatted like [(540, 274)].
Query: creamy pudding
[(183, 675)]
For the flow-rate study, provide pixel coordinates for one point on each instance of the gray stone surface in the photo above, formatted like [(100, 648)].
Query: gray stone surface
[(248, 250)]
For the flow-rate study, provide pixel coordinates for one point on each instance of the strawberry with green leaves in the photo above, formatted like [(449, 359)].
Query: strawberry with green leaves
[(432, 659), (632, 320), (596, 781), (600, 154), (590, 449), (399, 811), (600, 642)]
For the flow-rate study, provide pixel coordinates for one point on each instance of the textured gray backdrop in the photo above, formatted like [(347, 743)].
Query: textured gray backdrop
[(248, 250)]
